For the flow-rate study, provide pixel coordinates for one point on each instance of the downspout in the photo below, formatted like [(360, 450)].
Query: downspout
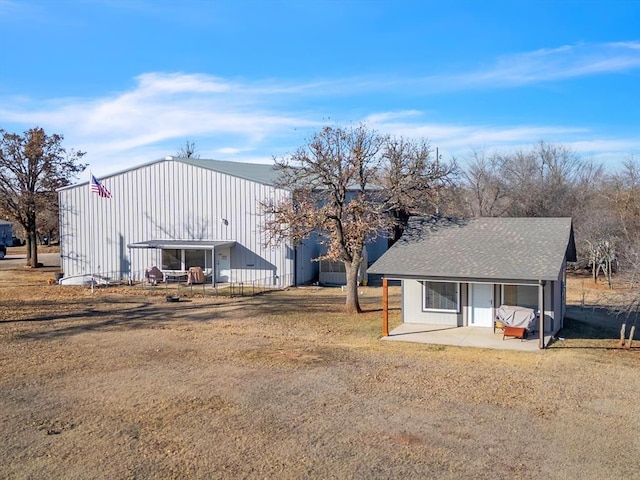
[(541, 284), (295, 265)]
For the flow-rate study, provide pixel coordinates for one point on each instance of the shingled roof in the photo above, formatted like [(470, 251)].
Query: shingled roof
[(480, 248)]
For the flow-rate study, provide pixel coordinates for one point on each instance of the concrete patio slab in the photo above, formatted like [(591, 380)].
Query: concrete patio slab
[(462, 337)]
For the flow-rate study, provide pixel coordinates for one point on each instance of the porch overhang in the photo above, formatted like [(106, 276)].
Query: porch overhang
[(183, 244), (540, 284)]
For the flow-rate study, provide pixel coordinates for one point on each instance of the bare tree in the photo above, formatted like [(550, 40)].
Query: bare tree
[(349, 186), (188, 150), (487, 190), (49, 219), (624, 197), (411, 181), (540, 181), (330, 180), (32, 167), (602, 255)]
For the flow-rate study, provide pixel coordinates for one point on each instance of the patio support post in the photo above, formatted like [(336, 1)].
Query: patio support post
[(541, 284), (385, 308), (213, 268), (130, 266)]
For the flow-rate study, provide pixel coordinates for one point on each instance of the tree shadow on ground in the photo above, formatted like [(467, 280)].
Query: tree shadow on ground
[(81, 315), (72, 312), (590, 326), (117, 315)]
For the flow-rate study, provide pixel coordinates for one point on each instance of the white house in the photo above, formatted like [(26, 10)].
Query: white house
[(176, 213), (458, 273)]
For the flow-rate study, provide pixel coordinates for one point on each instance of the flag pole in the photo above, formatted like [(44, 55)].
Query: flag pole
[(91, 229)]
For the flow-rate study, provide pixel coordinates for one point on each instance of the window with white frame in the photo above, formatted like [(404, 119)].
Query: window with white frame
[(182, 259), (441, 297)]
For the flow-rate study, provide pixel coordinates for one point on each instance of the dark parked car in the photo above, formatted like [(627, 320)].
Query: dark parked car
[(3, 251)]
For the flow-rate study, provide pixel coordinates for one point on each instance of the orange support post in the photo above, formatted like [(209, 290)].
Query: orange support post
[(385, 308)]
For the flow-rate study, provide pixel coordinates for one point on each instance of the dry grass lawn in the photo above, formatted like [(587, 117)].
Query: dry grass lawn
[(122, 384)]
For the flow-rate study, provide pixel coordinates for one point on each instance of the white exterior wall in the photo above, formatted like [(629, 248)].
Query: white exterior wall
[(168, 200), (412, 307)]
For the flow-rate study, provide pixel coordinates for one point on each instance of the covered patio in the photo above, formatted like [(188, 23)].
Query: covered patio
[(177, 256), (461, 337), (460, 277)]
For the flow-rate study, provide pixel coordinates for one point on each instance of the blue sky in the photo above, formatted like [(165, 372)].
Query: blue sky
[(130, 81)]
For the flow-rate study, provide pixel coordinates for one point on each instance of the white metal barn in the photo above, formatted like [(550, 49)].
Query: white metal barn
[(176, 213)]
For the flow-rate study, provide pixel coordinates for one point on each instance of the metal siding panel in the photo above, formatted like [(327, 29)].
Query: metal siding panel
[(167, 200)]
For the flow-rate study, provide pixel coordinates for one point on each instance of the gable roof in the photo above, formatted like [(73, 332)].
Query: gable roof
[(480, 248), (257, 172)]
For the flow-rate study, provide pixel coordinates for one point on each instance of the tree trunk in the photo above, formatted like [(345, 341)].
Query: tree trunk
[(32, 241), (27, 242), (631, 333), (623, 331), (352, 304), (402, 220)]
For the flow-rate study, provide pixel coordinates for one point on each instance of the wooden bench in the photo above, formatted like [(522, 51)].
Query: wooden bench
[(516, 332)]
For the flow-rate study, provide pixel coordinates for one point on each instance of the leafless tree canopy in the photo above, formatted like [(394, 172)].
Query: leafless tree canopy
[(411, 181), (32, 166), (350, 185), (552, 181), (188, 150)]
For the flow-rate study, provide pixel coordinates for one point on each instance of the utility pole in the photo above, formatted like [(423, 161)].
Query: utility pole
[(437, 164)]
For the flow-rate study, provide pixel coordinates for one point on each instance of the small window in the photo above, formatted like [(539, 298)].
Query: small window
[(441, 296), (520, 295), (332, 266), (171, 259), (194, 258)]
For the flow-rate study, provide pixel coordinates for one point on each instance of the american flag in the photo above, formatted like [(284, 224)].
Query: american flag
[(97, 187)]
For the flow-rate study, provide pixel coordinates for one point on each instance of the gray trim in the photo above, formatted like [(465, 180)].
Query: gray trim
[(510, 281)]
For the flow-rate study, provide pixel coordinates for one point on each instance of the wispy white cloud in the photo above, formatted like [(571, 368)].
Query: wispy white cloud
[(514, 70), (162, 110), (544, 65), (458, 140), (241, 120)]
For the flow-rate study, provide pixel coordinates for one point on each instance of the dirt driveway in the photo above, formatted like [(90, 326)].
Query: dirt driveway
[(122, 384), (13, 261)]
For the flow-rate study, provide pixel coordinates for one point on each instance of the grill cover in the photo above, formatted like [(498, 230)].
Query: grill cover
[(514, 316)]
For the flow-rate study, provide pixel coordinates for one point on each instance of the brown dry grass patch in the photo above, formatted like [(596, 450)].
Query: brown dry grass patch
[(122, 384)]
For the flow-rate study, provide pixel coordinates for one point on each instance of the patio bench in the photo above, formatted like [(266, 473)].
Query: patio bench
[(516, 332)]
